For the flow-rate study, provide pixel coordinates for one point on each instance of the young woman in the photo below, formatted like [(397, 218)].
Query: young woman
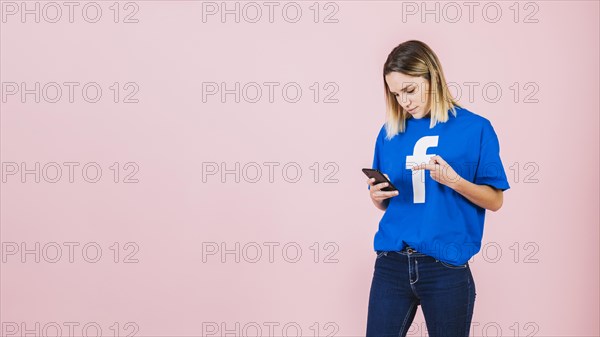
[(445, 162)]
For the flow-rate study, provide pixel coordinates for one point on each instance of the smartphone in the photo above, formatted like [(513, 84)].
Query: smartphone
[(379, 178)]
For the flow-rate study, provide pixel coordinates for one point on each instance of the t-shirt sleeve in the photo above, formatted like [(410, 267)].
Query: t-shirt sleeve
[(490, 170), (377, 153)]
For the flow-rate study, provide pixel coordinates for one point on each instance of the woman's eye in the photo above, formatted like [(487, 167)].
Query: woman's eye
[(410, 92)]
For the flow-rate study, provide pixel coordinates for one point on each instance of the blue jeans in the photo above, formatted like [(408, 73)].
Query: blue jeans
[(403, 280)]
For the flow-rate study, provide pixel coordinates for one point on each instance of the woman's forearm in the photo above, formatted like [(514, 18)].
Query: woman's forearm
[(483, 196)]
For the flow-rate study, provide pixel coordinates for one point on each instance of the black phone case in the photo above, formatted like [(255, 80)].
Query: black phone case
[(379, 178)]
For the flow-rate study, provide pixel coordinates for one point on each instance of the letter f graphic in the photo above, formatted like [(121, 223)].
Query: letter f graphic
[(420, 157)]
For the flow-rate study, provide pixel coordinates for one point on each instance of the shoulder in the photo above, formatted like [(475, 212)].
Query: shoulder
[(469, 116), (473, 120), (481, 126), (382, 132)]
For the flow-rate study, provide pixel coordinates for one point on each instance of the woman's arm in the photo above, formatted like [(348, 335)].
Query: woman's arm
[(484, 196)]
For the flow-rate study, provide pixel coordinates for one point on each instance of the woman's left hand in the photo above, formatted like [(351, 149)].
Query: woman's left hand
[(440, 171)]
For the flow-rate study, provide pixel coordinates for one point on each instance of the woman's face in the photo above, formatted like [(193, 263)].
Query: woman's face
[(411, 93)]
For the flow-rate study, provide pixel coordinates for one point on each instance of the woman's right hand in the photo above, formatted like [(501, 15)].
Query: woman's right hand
[(377, 195)]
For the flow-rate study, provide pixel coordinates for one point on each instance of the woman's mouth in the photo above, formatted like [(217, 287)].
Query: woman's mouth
[(412, 110)]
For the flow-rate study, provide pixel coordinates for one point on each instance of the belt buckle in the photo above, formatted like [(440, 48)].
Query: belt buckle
[(409, 250)]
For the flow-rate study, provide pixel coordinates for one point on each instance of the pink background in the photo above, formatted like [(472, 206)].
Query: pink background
[(170, 212)]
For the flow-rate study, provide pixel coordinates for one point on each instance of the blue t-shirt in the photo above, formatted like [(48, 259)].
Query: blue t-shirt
[(427, 215)]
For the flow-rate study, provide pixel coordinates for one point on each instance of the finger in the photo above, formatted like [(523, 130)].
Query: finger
[(387, 194), (433, 167), (425, 167), (370, 181), (386, 176), (381, 185)]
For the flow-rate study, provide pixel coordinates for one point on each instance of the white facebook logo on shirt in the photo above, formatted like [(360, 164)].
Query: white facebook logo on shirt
[(420, 157)]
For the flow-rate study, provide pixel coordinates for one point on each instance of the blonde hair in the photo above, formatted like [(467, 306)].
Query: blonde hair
[(415, 58)]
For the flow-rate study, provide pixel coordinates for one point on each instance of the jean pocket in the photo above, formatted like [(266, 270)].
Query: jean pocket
[(381, 253), (452, 266)]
